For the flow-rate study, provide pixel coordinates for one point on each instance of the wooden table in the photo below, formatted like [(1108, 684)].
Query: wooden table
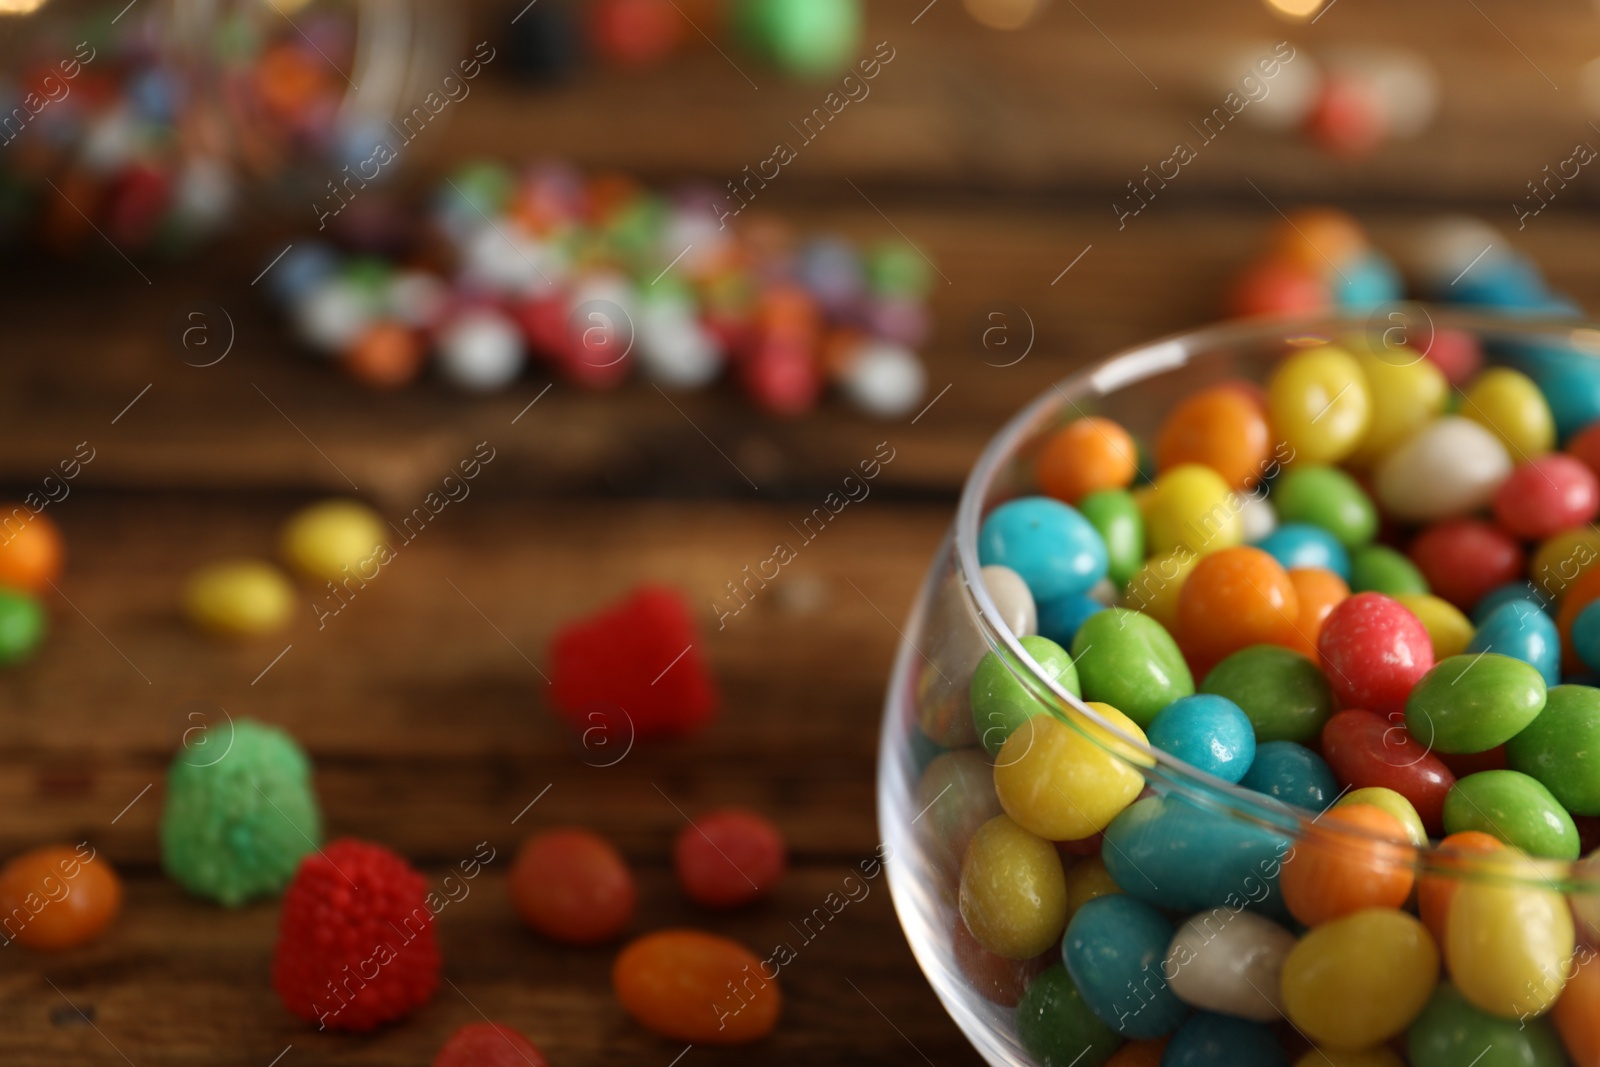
[(423, 703)]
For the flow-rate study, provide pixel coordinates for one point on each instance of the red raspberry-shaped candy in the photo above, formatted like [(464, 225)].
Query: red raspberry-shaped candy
[(488, 1045), (635, 669), (356, 945)]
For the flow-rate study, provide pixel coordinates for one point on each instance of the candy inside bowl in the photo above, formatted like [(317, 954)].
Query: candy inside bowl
[(1248, 713)]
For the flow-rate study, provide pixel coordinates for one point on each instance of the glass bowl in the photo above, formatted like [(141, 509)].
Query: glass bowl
[(935, 781)]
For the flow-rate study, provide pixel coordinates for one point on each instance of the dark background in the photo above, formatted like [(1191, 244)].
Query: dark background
[(422, 704)]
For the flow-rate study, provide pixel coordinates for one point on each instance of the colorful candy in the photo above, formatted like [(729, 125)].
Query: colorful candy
[(1230, 962), (1347, 863), (1451, 1030), (696, 987), (22, 626), (1067, 780), (58, 897), (1113, 949), (1056, 1025), (1291, 773), (729, 857), (1235, 598), (1223, 428), (1360, 980), (1508, 938), (1013, 895), (1207, 732), (1320, 404), (1515, 808), (1128, 660), (1000, 702), (1560, 748), (1375, 651), (335, 541), (488, 1045), (1450, 468), (1370, 751), (1284, 695), (573, 886), (238, 597), (1053, 547), (1473, 703), (1086, 456)]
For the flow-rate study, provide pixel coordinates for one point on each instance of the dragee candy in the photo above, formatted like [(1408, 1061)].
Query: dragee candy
[(572, 886), (696, 987)]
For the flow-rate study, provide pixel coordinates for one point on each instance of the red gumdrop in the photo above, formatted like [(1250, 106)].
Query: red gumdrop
[(1273, 287), (1546, 495), (572, 886), (1366, 750), (729, 857), (488, 1045), (1456, 353), (635, 33), (634, 669), (782, 377), (1373, 652), (1585, 447), (356, 941), (1465, 558), (543, 321), (1462, 764), (997, 979)]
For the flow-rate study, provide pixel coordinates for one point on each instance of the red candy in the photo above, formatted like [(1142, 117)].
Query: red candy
[(1546, 495), (636, 33), (1278, 288), (1463, 559), (1585, 447), (1455, 353), (728, 857), (1374, 651), (1366, 750), (573, 887), (488, 1045), (356, 945), (634, 669)]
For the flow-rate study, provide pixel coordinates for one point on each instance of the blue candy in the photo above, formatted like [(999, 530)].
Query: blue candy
[(1300, 544), (1504, 282), (1170, 852), (1570, 382), (1586, 636), (303, 268), (1209, 732), (1293, 774), (1210, 1040), (1520, 630), (1367, 283), (1054, 548), (1060, 618), (1114, 949), (1504, 594)]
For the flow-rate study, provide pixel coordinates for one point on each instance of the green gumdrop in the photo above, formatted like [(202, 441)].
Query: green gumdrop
[(1472, 703), (1057, 1027), (1126, 659), (1283, 694), (1450, 1032), (1329, 498), (240, 812), (804, 37), (1380, 569), (896, 270), (1514, 808), (1561, 747), (1000, 702), (1116, 515), (22, 625)]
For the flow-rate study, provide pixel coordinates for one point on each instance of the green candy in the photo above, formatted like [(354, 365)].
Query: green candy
[(1126, 659), (1057, 1027), (22, 625), (810, 38), (1000, 702), (1561, 748), (893, 269), (1114, 513), (1450, 1032), (1329, 498), (1283, 694), (240, 812), (1378, 569), (1516, 809), (1474, 703)]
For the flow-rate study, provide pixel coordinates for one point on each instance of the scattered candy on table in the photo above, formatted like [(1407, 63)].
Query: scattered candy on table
[(32, 555), (697, 987), (239, 598), (728, 857), (488, 1044), (573, 886), (591, 278), (57, 897)]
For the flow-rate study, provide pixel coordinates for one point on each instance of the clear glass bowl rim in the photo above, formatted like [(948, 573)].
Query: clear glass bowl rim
[(1127, 368)]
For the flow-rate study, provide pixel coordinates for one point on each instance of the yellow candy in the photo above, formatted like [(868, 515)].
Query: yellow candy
[(1086, 880), (1508, 945), (1320, 404), (1393, 803), (1358, 981), (1407, 393), (321, 541), (1061, 782), (1448, 629), (1013, 893), (1560, 560), (1154, 589), (1372, 1057), (1192, 508), (1507, 404), (241, 597)]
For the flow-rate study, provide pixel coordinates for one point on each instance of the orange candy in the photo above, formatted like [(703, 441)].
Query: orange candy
[(1234, 598), (1139, 1054), (1435, 890), (386, 356), (1580, 594), (57, 897), (1577, 1012), (1318, 239), (1336, 869), (1221, 428), (1084, 456), (30, 549), (1320, 592), (695, 987)]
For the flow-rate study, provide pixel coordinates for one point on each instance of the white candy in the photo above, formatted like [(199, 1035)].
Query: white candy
[(674, 348), (885, 380), (1290, 93), (1447, 245), (1229, 962), (1450, 468), (331, 316), (112, 140), (503, 259), (206, 193), (417, 298), (1257, 516), (1012, 599), (480, 351)]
